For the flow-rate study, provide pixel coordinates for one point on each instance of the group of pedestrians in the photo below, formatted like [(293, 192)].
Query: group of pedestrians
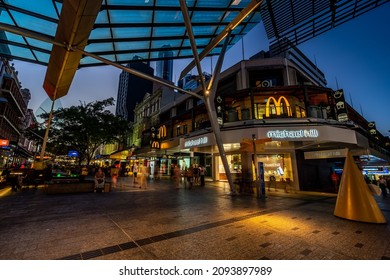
[(140, 175), (194, 175)]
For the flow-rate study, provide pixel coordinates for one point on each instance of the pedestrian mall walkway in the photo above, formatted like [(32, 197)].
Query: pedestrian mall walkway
[(201, 223)]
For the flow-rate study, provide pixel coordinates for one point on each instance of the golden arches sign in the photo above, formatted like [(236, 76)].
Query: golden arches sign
[(156, 145), (162, 131), (278, 105)]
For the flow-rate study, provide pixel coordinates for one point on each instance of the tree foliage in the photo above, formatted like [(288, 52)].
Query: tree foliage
[(84, 128)]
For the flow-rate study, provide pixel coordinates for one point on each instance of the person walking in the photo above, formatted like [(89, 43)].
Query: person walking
[(144, 170), (114, 172), (383, 185), (135, 172), (100, 179), (189, 174), (176, 175), (202, 173), (335, 181)]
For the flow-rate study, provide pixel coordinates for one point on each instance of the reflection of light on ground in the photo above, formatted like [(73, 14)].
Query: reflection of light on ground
[(283, 222), (5, 191)]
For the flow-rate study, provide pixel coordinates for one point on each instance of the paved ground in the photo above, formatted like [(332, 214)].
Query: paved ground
[(161, 222)]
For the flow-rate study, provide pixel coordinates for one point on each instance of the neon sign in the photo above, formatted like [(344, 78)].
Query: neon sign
[(279, 106), (301, 133), (196, 142)]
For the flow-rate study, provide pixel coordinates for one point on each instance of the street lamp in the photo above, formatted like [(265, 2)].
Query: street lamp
[(42, 154)]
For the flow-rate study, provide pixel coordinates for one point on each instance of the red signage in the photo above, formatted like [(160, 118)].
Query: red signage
[(4, 142)]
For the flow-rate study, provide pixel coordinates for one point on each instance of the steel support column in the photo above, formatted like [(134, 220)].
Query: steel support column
[(224, 33), (209, 91)]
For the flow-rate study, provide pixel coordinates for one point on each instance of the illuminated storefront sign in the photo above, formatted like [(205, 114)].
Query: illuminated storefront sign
[(196, 142), (301, 133), (155, 145), (279, 105), (162, 131)]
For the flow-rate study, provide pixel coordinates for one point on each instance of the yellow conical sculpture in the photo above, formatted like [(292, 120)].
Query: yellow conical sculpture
[(354, 200)]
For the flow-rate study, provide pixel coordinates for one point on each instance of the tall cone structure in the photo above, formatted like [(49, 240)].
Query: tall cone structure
[(354, 200)]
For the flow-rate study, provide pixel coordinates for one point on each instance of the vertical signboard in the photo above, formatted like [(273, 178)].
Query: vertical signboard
[(372, 129), (331, 108), (220, 109), (341, 105)]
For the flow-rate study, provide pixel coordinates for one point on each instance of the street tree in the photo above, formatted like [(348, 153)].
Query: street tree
[(84, 128)]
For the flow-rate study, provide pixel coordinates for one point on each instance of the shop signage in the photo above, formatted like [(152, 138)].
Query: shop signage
[(337, 153), (341, 107), (196, 142), (4, 142), (292, 134), (281, 103)]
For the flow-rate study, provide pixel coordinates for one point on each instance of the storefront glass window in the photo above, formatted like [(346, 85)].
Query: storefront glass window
[(277, 165), (234, 166)]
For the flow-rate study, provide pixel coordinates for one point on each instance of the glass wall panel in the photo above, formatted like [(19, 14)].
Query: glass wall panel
[(101, 33), (126, 16), (131, 2), (168, 17), (39, 44), (168, 31), (36, 6), (128, 46), (136, 32), (42, 57), (33, 23), (99, 47)]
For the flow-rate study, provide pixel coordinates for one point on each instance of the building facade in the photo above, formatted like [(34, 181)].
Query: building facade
[(13, 109), (164, 66), (278, 109), (132, 88)]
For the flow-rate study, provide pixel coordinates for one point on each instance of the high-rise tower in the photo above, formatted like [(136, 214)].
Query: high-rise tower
[(164, 67), (132, 89)]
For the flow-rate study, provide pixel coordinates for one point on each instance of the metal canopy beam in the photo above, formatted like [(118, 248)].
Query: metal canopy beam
[(224, 33), (74, 27), (48, 39), (209, 91)]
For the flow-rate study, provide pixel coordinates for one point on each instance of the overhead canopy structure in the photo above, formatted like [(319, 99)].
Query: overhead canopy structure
[(296, 21), (68, 34), (125, 29)]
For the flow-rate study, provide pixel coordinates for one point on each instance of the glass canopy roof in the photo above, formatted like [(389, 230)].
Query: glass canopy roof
[(124, 29)]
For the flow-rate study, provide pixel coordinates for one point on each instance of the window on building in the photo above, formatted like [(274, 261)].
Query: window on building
[(173, 112), (189, 104)]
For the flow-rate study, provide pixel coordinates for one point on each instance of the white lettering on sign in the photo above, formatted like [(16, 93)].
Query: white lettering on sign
[(196, 142), (302, 133)]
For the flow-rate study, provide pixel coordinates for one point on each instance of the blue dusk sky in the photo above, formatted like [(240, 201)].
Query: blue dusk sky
[(354, 56)]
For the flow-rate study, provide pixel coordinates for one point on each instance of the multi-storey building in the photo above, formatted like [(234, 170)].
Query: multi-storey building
[(132, 89), (164, 66), (13, 108), (148, 134), (279, 109)]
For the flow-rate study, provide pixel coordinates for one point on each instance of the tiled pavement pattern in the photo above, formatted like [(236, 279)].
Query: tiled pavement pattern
[(186, 224)]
